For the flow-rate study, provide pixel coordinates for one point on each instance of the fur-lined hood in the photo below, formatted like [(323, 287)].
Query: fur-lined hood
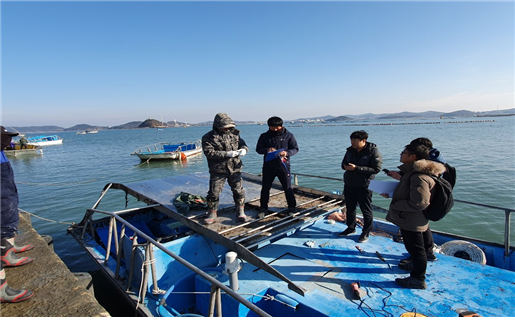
[(429, 167)]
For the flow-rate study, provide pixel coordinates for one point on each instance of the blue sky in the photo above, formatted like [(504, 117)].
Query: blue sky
[(108, 63)]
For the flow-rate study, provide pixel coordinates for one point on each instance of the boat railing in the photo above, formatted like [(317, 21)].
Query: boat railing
[(507, 211), (149, 266)]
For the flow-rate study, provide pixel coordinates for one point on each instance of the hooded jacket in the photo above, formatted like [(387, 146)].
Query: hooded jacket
[(282, 139), (413, 195), (368, 163), (215, 145)]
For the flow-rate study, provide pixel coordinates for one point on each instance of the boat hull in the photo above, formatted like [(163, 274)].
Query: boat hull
[(43, 141), (168, 155), (47, 143), (167, 151)]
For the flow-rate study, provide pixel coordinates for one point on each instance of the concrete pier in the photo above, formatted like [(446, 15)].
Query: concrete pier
[(57, 292)]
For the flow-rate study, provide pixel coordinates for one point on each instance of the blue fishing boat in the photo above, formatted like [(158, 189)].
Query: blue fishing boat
[(45, 140), (167, 262), (168, 151)]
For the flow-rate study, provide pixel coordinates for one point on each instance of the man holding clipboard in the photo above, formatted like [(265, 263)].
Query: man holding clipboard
[(276, 145)]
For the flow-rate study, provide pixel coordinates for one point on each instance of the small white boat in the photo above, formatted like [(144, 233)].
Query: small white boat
[(86, 132), (168, 151), (45, 140)]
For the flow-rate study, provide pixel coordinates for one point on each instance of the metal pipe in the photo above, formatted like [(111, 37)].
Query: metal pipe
[(119, 254), (219, 302), (133, 257), (507, 216), (109, 239), (192, 267), (212, 298), (153, 269), (143, 285), (116, 242), (269, 215), (283, 221), (232, 266)]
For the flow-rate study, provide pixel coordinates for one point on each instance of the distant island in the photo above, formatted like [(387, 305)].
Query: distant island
[(152, 123)]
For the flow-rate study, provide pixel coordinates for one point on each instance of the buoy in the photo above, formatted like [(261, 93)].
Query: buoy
[(183, 156), (464, 250)]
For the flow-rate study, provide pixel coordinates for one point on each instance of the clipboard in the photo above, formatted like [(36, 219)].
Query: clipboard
[(273, 155)]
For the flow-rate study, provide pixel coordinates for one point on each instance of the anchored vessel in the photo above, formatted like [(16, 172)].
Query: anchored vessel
[(29, 149), (45, 140), (167, 151), (172, 264)]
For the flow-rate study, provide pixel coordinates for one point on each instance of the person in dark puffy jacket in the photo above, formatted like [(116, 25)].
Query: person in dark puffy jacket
[(223, 148), (276, 145), (411, 197), (361, 163), (9, 219)]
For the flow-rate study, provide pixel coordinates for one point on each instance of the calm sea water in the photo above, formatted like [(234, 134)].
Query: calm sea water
[(66, 180)]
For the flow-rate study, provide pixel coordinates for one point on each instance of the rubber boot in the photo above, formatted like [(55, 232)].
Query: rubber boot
[(21, 248), (240, 210), (212, 208), (8, 294), (9, 257)]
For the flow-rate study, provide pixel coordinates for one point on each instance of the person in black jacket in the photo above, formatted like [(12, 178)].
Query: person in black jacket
[(276, 145), (361, 163)]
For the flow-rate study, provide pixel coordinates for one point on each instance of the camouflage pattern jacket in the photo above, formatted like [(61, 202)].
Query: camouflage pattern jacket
[(215, 145)]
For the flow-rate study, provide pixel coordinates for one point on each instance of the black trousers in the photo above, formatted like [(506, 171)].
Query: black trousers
[(269, 174), (414, 243), (363, 197), (429, 243)]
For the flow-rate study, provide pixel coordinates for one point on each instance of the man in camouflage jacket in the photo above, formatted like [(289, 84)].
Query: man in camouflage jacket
[(223, 148)]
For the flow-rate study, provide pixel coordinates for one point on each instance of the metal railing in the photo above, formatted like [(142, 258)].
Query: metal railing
[(149, 262), (507, 211)]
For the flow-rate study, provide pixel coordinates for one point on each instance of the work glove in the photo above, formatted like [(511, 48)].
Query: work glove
[(232, 154), (242, 152)]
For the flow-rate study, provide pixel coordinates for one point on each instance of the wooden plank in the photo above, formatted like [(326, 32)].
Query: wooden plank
[(242, 252)]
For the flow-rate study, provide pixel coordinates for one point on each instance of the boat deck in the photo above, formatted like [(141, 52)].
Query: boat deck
[(333, 263), (306, 249)]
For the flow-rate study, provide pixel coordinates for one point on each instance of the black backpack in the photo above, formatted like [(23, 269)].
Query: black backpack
[(442, 200), (450, 174)]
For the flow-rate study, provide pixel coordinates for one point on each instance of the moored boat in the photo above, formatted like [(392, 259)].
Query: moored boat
[(45, 140), (169, 263), (86, 132), (16, 150), (168, 151)]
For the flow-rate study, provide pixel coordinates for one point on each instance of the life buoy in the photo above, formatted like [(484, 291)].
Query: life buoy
[(464, 250)]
